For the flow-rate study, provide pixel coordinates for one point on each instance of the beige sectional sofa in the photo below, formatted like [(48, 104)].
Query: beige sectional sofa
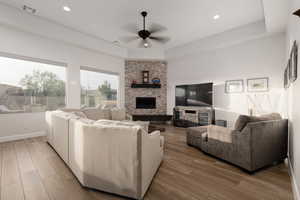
[(118, 157)]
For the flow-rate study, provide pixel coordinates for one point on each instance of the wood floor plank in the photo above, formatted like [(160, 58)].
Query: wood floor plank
[(11, 184), (31, 180), (23, 157), (40, 161), (12, 192)]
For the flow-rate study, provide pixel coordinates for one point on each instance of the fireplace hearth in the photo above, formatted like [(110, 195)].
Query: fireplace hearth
[(145, 102)]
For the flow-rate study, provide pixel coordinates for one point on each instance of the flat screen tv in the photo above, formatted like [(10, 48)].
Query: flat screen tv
[(194, 95)]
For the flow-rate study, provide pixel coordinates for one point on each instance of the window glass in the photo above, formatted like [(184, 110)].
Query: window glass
[(98, 89), (27, 86)]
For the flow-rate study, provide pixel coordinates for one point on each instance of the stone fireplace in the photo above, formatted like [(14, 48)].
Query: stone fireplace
[(145, 100)]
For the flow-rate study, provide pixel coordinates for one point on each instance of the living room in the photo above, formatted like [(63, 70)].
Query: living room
[(149, 100)]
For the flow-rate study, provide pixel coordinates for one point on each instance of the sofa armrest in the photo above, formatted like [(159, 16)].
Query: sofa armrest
[(152, 153), (268, 142)]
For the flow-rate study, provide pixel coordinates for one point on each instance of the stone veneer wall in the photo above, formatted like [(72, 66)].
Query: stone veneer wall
[(133, 71)]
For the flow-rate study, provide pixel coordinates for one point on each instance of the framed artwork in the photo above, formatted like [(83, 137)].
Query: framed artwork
[(145, 75), (234, 86), (258, 84), (294, 63)]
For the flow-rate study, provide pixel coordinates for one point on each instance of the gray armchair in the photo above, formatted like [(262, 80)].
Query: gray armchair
[(257, 145)]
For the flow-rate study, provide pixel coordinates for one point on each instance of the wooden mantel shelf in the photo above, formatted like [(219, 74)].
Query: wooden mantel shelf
[(143, 85)]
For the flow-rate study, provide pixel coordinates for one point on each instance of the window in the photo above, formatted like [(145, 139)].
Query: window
[(98, 88), (27, 86)]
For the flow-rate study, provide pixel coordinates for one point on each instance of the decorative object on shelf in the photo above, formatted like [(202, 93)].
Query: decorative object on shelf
[(156, 81), (145, 76), (234, 86), (297, 13), (294, 63), (287, 76), (258, 84), (133, 82)]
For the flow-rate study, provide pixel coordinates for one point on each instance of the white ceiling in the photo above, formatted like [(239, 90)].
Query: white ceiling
[(186, 21)]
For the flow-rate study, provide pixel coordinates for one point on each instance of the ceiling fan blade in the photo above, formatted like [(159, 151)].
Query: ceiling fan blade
[(155, 28), (160, 39), (128, 39), (131, 28)]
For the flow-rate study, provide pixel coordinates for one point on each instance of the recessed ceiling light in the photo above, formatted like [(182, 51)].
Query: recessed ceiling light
[(216, 17), (67, 8)]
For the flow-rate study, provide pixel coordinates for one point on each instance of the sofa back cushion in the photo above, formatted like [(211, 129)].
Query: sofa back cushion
[(243, 120), (118, 114), (96, 114)]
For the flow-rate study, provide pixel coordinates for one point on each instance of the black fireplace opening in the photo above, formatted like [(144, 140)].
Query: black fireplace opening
[(145, 102)]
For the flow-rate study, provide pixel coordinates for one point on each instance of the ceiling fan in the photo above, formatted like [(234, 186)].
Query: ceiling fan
[(144, 35)]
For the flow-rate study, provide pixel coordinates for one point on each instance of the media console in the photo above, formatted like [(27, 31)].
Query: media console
[(188, 116)]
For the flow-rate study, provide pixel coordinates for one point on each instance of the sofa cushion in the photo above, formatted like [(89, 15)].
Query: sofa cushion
[(118, 114), (96, 114), (243, 120)]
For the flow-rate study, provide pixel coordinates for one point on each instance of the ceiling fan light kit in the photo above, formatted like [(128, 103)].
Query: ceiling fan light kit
[(145, 35), (297, 13)]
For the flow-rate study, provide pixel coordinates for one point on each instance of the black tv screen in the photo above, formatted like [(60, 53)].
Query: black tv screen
[(194, 95)]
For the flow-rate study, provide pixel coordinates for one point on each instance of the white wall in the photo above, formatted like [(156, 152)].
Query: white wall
[(17, 42), (154, 53), (260, 57), (293, 95)]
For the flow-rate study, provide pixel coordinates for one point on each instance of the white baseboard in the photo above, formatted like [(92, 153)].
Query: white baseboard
[(23, 136), (294, 183)]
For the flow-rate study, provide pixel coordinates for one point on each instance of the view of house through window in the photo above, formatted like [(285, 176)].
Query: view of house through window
[(27, 86), (98, 89)]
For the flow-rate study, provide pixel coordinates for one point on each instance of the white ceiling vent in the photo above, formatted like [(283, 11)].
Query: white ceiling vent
[(29, 9)]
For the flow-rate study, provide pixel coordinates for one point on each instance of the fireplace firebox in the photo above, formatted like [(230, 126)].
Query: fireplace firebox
[(145, 102)]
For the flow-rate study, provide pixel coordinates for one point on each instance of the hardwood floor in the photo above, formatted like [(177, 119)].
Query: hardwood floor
[(31, 170)]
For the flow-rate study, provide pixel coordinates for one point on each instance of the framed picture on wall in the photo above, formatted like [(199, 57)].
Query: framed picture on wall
[(258, 84), (294, 63), (234, 86)]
